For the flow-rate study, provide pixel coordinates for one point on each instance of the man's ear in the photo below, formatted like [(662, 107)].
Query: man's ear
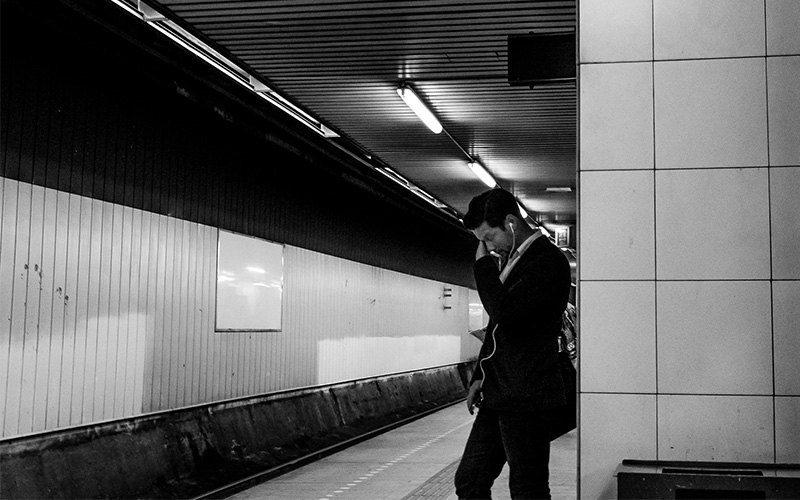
[(511, 220)]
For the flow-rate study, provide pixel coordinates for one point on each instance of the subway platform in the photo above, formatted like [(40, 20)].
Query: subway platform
[(414, 462)]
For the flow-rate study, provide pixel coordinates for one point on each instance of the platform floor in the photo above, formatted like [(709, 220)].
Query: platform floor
[(416, 461)]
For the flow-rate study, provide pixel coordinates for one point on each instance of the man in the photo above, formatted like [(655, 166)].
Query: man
[(516, 384)]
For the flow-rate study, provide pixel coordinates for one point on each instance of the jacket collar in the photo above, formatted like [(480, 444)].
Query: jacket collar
[(517, 255)]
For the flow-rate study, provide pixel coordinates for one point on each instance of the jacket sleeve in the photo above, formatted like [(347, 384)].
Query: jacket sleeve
[(535, 292)]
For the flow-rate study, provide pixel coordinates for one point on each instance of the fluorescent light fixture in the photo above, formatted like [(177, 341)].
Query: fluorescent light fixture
[(564, 189), (416, 105), (391, 174), (240, 75), (482, 174), (149, 13)]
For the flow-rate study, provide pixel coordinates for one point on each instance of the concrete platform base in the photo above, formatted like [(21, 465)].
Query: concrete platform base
[(183, 453)]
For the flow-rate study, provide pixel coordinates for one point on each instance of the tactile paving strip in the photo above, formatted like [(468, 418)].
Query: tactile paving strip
[(437, 487)]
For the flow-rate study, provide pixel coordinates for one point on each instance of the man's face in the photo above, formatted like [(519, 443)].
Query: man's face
[(497, 239)]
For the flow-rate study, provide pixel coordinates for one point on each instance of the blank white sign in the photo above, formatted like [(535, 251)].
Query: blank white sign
[(249, 283)]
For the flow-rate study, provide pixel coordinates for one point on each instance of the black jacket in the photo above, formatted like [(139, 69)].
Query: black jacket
[(521, 374)]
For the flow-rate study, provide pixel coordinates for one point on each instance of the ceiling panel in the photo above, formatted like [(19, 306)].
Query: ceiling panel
[(343, 60)]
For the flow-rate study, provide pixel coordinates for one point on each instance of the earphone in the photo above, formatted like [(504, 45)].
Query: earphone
[(500, 264)]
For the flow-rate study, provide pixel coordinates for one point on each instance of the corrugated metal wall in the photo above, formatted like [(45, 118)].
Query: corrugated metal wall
[(123, 126), (110, 313), (115, 178), (357, 321)]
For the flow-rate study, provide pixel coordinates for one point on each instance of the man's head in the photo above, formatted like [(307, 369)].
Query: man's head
[(493, 217)]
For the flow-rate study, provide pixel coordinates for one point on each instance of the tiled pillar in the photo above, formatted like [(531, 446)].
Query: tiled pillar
[(689, 224)]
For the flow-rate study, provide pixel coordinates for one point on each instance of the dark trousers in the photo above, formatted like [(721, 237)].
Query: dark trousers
[(497, 437)]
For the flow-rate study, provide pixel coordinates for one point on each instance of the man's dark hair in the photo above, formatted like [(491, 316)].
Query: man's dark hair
[(491, 206)]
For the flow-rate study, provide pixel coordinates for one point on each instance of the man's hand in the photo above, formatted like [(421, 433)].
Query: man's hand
[(474, 397), (479, 334), (482, 251)]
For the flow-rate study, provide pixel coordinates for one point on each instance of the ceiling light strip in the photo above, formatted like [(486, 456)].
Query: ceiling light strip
[(413, 101), (201, 50), (482, 174), (196, 46), (399, 179), (278, 100), (232, 70)]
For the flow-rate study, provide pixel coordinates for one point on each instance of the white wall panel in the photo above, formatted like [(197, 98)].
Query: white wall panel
[(45, 325), (66, 363), (58, 334), (108, 312), (32, 256), (180, 369), (5, 330), (360, 321), (70, 240), (8, 228), (18, 290)]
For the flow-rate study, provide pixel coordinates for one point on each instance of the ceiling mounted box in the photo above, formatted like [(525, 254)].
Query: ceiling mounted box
[(541, 58)]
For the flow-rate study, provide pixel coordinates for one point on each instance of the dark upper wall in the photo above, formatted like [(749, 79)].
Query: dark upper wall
[(96, 103)]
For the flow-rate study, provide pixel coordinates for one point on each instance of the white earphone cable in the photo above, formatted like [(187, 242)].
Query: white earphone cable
[(494, 339)]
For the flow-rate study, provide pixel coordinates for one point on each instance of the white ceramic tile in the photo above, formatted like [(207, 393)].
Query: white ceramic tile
[(712, 224), (618, 323), (786, 331), (616, 225), (616, 116), (615, 30), (613, 427), (783, 75), (783, 18), (785, 210), (787, 430), (692, 29), (710, 113), (714, 337), (716, 428)]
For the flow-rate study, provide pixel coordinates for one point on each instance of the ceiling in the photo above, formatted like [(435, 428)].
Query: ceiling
[(343, 60)]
